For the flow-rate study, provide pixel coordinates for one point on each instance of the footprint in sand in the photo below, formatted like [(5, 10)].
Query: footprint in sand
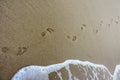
[(96, 31), (68, 37), (21, 51), (118, 17), (43, 34), (108, 25), (4, 49), (83, 26), (101, 22), (73, 38), (116, 22), (50, 30)]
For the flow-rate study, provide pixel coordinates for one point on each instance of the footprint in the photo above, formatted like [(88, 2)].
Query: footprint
[(50, 30), (4, 49), (74, 38), (81, 28), (68, 37), (43, 34), (96, 31), (109, 25), (21, 50), (118, 17), (101, 22), (116, 22), (84, 25)]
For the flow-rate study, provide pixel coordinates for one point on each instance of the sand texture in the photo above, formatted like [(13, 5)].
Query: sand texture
[(44, 32)]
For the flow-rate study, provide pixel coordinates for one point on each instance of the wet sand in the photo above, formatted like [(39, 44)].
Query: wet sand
[(37, 32)]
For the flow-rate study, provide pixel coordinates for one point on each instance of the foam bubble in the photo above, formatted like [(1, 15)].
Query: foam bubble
[(68, 70)]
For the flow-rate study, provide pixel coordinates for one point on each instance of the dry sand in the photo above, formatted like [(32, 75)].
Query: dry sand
[(43, 32)]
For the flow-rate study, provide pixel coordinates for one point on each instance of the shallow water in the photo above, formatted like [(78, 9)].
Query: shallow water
[(73, 70)]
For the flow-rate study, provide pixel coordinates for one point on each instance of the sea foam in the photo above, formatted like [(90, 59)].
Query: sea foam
[(68, 70)]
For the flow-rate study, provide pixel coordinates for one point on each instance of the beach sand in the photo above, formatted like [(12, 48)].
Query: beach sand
[(44, 32)]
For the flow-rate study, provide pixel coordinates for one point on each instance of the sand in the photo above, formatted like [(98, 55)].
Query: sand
[(44, 32)]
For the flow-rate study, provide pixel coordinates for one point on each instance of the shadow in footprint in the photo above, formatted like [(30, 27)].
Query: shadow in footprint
[(81, 28), (96, 31), (101, 22), (43, 34), (84, 25), (116, 22), (68, 37), (21, 51), (50, 30), (108, 25), (73, 38), (4, 49)]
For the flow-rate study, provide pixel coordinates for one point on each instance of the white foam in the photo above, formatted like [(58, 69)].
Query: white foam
[(116, 75), (91, 71), (59, 74)]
